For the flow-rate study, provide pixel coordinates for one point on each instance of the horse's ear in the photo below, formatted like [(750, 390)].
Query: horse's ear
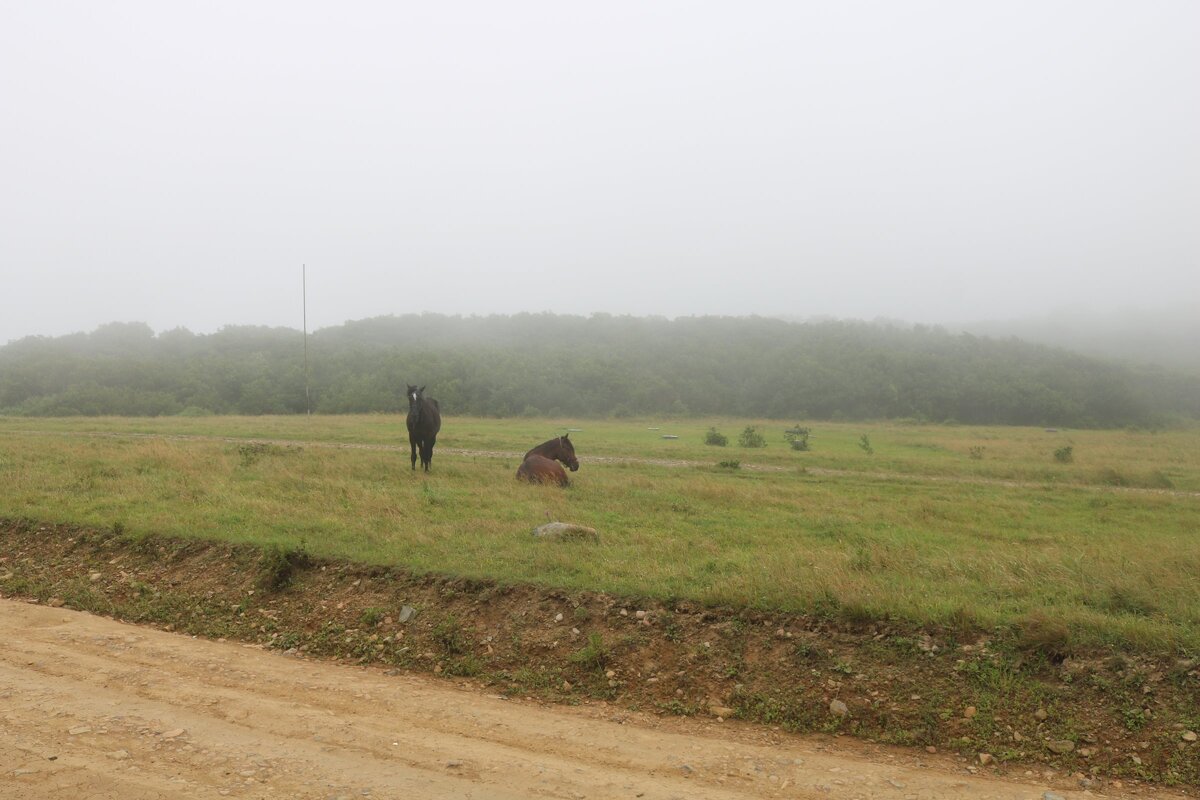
[(566, 436), (421, 390)]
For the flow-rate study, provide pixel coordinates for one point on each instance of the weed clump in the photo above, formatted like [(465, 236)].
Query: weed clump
[(593, 655), (1064, 454), (278, 567), (1038, 634), (449, 635), (252, 452)]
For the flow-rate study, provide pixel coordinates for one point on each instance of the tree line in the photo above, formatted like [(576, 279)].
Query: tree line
[(599, 365)]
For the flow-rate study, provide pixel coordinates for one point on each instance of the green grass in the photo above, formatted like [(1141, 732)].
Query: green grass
[(919, 531)]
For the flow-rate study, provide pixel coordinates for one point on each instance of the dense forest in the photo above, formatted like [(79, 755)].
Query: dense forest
[(544, 364)]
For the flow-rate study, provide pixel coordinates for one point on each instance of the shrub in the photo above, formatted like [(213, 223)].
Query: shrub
[(797, 437), (865, 444), (715, 438), (1065, 454), (751, 438), (729, 464), (977, 452)]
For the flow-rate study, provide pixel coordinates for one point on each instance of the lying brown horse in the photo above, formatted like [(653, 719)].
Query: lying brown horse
[(541, 463)]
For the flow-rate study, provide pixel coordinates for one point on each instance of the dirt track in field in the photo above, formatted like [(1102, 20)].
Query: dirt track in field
[(93, 708)]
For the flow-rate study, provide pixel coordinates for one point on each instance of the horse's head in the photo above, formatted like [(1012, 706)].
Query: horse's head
[(415, 394), (566, 453)]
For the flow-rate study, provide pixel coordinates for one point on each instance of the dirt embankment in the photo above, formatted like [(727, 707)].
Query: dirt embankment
[(1104, 724)]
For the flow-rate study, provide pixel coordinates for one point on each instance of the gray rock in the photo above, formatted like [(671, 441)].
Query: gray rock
[(564, 531), (407, 613), (839, 709), (1052, 796), (1060, 746)]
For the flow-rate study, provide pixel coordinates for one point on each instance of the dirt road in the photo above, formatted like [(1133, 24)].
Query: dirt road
[(93, 708)]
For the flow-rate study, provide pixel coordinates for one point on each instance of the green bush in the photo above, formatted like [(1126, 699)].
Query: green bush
[(751, 438), (797, 437), (715, 438), (1064, 455)]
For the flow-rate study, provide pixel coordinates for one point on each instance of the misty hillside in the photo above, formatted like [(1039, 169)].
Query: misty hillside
[(543, 364), (1167, 337)]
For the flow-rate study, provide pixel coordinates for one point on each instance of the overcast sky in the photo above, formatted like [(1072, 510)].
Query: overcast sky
[(176, 163)]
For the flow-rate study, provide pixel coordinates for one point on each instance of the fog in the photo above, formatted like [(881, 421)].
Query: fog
[(177, 164)]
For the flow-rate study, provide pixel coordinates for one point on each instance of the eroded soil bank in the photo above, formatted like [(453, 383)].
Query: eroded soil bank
[(1104, 722)]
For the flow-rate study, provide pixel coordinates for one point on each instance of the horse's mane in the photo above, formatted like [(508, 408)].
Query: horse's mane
[(546, 445)]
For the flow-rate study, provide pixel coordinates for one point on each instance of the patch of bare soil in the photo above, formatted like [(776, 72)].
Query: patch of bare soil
[(1104, 723)]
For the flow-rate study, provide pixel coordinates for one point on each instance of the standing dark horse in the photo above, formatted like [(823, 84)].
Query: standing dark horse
[(424, 422), (541, 463)]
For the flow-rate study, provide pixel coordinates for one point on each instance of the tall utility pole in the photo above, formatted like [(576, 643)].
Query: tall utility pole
[(304, 305)]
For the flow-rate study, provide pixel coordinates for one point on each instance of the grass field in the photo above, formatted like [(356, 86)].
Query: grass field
[(940, 525)]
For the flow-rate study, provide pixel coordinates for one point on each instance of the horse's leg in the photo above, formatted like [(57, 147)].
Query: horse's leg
[(413, 444), (429, 451)]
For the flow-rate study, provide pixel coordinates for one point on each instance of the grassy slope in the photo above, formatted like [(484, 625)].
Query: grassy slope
[(919, 545)]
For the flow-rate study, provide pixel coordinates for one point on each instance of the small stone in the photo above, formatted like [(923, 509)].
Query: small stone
[(610, 674), (1017, 737), (720, 711), (1060, 746), (1052, 796), (1041, 714), (930, 749), (566, 686), (839, 709), (558, 617), (173, 733), (986, 759), (1189, 736), (453, 764), (56, 602), (78, 729), (406, 613), (95, 576), (969, 712), (640, 614)]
